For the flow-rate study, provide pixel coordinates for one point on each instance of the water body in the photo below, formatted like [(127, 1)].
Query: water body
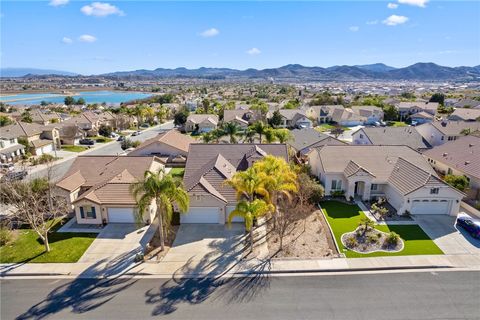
[(109, 97)]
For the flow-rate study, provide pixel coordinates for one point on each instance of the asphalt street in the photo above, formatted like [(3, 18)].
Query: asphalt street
[(109, 149), (411, 295)]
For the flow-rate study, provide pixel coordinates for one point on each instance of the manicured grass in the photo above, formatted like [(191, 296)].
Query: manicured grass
[(177, 172), (328, 127), (74, 148), (101, 139), (344, 218), (398, 124), (64, 247)]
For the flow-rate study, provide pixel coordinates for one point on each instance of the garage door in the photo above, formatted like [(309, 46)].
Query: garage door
[(235, 219), (201, 215), (430, 207), (121, 215)]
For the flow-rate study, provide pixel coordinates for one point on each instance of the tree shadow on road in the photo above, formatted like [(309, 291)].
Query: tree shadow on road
[(85, 293), (198, 280)]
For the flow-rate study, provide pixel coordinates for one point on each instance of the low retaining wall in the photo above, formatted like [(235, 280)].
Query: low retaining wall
[(469, 209)]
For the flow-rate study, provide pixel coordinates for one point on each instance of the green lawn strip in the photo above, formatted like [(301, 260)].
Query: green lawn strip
[(344, 218), (74, 148), (177, 172), (101, 139), (64, 247), (398, 124)]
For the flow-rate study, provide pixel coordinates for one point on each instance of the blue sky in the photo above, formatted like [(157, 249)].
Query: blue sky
[(96, 37)]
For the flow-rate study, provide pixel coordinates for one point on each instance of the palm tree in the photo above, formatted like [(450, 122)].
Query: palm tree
[(279, 178), (207, 137), (164, 190), (283, 135), (259, 128), (247, 184), (231, 129), (249, 135), (250, 211), (270, 135)]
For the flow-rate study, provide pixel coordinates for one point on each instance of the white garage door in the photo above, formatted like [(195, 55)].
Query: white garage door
[(48, 148), (430, 207), (201, 215), (235, 219), (121, 215)]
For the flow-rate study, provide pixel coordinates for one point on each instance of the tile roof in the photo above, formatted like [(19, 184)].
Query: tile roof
[(171, 137), (396, 136), (462, 154), (451, 128), (199, 118), (304, 138), (465, 114), (22, 129), (212, 164), (377, 160)]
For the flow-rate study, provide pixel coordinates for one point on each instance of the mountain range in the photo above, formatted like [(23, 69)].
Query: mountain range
[(292, 72)]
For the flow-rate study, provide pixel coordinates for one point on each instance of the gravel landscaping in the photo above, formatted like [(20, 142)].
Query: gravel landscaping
[(371, 241)]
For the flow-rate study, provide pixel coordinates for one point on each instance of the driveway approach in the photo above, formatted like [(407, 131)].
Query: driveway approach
[(444, 233), (205, 249), (118, 240)]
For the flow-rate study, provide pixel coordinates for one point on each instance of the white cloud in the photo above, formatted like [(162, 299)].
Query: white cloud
[(57, 3), (254, 51), (212, 32), (392, 6), (67, 40), (417, 3), (394, 20), (101, 9), (354, 28), (372, 22), (87, 38)]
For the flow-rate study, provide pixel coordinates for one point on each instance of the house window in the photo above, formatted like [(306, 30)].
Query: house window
[(88, 212), (361, 136), (434, 190), (336, 184), (442, 138), (374, 187)]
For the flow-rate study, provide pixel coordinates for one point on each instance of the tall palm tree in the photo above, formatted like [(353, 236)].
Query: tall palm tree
[(249, 211), (249, 135), (207, 137), (259, 128), (164, 190), (270, 135), (278, 178), (248, 184), (283, 135), (232, 130)]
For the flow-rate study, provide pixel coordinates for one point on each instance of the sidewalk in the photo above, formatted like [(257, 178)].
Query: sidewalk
[(165, 269)]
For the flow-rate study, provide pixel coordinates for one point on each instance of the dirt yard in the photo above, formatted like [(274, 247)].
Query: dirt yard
[(306, 237)]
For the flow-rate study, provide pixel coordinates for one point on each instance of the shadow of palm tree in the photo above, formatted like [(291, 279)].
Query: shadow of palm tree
[(85, 293), (196, 281)]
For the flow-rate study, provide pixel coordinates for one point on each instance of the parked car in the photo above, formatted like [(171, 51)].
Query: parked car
[(113, 135), (88, 142), (470, 225), (121, 138), (136, 133), (14, 176), (144, 125), (6, 167)]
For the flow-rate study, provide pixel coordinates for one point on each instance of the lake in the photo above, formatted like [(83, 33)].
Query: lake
[(110, 97)]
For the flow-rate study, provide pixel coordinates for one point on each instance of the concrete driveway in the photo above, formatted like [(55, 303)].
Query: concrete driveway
[(444, 232), (205, 249), (117, 240)]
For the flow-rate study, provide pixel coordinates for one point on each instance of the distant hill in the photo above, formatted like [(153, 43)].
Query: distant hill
[(21, 72), (376, 67), (296, 72)]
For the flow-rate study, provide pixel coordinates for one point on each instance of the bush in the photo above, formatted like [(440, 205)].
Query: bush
[(6, 236), (372, 238), (338, 193), (136, 144), (105, 131), (44, 158), (351, 242), (392, 239)]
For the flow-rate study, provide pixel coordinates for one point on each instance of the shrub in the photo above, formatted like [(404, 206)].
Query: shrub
[(44, 158), (372, 238), (105, 131), (136, 144), (337, 193), (6, 236), (351, 242), (392, 239)]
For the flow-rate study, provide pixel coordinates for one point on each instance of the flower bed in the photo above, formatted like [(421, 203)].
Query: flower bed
[(372, 240)]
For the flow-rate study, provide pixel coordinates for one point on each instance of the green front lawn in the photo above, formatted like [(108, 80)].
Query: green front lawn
[(101, 139), (397, 124), (64, 247), (74, 148), (344, 218), (324, 127)]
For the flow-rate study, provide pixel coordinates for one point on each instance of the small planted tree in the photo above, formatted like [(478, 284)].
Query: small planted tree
[(366, 224), (105, 131), (250, 211)]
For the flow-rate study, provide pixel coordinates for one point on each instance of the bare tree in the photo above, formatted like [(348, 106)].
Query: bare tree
[(35, 203)]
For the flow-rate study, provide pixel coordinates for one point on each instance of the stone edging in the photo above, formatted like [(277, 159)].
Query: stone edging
[(379, 250)]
